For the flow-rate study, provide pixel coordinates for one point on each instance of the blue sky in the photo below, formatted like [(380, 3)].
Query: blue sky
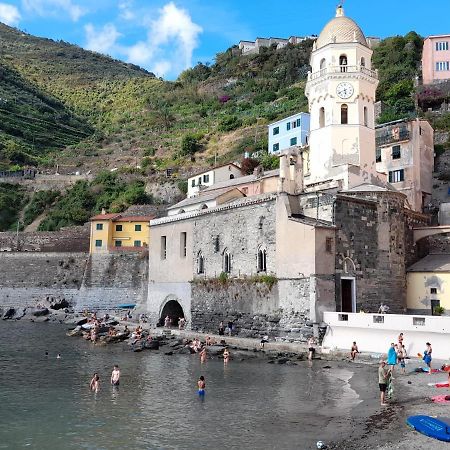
[(166, 36)]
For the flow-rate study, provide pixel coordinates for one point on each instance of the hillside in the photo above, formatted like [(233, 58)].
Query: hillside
[(140, 125)]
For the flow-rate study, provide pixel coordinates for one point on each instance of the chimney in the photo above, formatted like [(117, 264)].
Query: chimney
[(103, 211)]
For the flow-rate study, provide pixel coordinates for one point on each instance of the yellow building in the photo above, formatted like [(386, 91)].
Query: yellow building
[(428, 284), (116, 232)]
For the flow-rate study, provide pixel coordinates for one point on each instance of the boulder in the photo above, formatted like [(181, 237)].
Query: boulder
[(184, 351), (57, 304), (282, 360), (215, 350), (38, 312), (117, 338), (40, 319), (77, 331), (152, 345), (9, 314), (176, 343), (81, 321), (168, 353)]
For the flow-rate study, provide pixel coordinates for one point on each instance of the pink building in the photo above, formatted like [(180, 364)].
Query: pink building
[(436, 59)]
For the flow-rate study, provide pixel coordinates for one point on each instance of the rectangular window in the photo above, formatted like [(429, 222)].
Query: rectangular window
[(293, 141), (206, 178), (329, 245), (163, 247), (378, 155), (433, 290), (396, 176), (396, 152), (440, 46), (299, 122), (199, 181), (193, 182), (118, 243), (288, 126), (276, 147), (98, 243), (138, 228), (183, 240), (442, 66), (99, 226), (118, 227), (294, 125), (137, 243), (276, 131)]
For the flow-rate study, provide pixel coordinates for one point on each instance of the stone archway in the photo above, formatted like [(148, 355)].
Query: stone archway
[(174, 310)]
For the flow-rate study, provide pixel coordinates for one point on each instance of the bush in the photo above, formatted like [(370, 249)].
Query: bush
[(39, 203), (183, 186), (269, 162), (248, 165), (229, 123), (223, 278), (189, 145)]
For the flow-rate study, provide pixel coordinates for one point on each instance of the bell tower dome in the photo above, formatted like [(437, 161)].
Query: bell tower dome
[(341, 95)]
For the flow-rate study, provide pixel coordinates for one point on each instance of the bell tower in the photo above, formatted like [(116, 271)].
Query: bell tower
[(341, 95)]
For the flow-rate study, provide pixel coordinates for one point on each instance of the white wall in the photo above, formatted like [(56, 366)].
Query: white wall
[(377, 337)]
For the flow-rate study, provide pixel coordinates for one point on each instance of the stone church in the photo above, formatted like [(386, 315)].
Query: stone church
[(333, 235)]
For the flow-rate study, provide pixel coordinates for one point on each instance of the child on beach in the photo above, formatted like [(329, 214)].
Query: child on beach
[(354, 350), (427, 357), (401, 355), (201, 384), (95, 383)]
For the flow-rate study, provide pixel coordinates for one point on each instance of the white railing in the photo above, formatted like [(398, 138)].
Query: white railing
[(342, 69)]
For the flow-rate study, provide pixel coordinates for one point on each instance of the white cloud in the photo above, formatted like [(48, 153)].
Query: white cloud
[(171, 40), (103, 40), (161, 68), (126, 10), (54, 8), (9, 14)]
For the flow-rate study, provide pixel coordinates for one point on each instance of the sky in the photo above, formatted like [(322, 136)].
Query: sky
[(168, 36)]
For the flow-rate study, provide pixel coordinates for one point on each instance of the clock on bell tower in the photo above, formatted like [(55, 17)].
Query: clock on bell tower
[(341, 94)]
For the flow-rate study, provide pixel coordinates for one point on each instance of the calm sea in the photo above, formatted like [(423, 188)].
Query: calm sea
[(45, 402)]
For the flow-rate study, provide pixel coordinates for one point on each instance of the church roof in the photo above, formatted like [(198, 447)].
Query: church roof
[(202, 198), (432, 263), (368, 187), (339, 30)]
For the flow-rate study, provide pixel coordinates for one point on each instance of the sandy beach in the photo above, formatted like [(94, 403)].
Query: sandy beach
[(383, 428)]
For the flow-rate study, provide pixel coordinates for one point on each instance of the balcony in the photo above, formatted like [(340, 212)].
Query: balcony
[(330, 70), (395, 135)]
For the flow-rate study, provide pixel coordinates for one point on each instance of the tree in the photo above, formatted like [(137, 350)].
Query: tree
[(189, 145), (248, 165)]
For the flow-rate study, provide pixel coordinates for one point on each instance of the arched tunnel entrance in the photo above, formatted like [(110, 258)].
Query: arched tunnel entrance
[(172, 309)]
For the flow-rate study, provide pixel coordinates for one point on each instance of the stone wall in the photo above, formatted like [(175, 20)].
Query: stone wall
[(94, 283), (374, 244), (70, 239), (255, 308), (241, 231)]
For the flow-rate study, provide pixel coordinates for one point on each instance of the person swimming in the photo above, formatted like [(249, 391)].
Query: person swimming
[(201, 384)]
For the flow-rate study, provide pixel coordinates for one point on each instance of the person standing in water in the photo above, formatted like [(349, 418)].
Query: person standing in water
[(226, 356), (201, 384), (203, 355), (95, 383), (115, 376)]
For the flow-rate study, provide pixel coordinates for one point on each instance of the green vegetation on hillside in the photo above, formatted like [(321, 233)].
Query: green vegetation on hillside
[(38, 204), (85, 199), (398, 62), (12, 198)]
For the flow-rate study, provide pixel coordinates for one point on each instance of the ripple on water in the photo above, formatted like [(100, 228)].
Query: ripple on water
[(46, 403)]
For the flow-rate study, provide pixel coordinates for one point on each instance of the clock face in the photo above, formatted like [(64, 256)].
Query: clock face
[(344, 90)]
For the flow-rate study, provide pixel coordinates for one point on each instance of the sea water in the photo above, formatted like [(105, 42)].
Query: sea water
[(45, 402)]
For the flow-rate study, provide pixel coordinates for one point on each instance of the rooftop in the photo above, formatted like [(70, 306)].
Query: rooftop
[(114, 217), (213, 168), (241, 180), (432, 263), (202, 198), (339, 30)]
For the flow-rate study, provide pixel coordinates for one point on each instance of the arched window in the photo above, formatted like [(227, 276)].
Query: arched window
[(204, 206), (363, 62), (231, 176), (181, 211), (366, 117), (343, 63), (344, 114), (200, 262), (262, 259), (323, 63), (226, 261), (321, 117)]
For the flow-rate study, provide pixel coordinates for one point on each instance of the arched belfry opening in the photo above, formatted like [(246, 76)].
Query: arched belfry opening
[(174, 310)]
